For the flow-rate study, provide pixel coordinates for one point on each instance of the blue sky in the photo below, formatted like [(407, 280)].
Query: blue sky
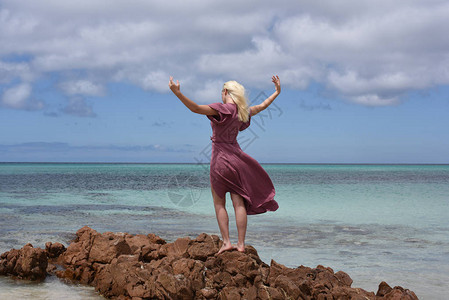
[(365, 83)]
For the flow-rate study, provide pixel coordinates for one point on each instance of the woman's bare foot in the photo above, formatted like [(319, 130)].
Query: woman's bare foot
[(241, 247), (225, 247)]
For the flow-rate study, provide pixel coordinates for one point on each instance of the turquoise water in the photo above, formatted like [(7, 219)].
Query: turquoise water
[(375, 222)]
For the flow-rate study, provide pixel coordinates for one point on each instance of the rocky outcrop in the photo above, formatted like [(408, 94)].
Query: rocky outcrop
[(125, 266), (27, 263)]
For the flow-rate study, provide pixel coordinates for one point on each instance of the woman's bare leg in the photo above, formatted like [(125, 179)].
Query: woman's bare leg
[(240, 219), (223, 221)]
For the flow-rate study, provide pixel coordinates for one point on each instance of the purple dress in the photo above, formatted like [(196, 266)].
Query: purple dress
[(231, 169)]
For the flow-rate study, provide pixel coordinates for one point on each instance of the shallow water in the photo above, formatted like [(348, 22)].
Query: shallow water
[(375, 222)]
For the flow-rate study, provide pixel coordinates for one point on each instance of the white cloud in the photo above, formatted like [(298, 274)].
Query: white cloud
[(17, 97), (11, 71), (374, 100), (377, 56), (369, 52), (210, 92), (351, 83), (82, 87), (148, 80)]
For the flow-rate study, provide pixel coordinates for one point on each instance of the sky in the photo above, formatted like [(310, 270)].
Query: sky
[(87, 80)]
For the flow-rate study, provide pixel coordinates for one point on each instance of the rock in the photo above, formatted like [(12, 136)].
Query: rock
[(287, 286), (399, 293), (203, 246), (384, 289), (126, 266), (54, 250), (237, 263), (137, 242), (208, 293), (270, 293), (344, 278), (150, 252), (108, 246), (386, 292), (78, 251), (154, 239), (51, 269), (27, 263), (229, 293)]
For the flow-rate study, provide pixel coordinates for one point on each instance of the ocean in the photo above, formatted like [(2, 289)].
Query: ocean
[(374, 222)]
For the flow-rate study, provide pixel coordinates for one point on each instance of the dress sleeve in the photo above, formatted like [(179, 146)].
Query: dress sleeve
[(246, 125), (223, 113)]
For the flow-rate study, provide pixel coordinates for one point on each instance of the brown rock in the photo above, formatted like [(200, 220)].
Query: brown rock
[(54, 250), (270, 293), (209, 293), (166, 250), (154, 239), (235, 262), (229, 293), (137, 242), (326, 278), (174, 286), (193, 270), (360, 294), (123, 276), (27, 263), (384, 289), (344, 278), (108, 246), (297, 274), (181, 245), (250, 293), (399, 293), (78, 251), (287, 286), (126, 266), (222, 279), (150, 252), (51, 268), (326, 297), (177, 249), (203, 247), (306, 287)]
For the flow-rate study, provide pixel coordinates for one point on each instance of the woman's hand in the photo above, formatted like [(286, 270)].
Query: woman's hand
[(277, 83), (175, 88)]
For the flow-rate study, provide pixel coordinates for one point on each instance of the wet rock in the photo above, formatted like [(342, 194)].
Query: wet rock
[(27, 263)]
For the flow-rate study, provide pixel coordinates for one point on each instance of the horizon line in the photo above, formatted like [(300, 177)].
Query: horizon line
[(195, 163)]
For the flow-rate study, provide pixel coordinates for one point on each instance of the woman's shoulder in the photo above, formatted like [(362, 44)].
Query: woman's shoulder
[(224, 108), (231, 107), (228, 106)]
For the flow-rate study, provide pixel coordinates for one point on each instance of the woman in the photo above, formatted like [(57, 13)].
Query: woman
[(231, 169)]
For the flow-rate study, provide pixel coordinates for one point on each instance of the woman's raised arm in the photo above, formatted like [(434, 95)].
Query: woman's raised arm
[(258, 108), (199, 109)]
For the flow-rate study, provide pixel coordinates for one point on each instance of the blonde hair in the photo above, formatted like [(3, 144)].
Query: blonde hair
[(237, 93)]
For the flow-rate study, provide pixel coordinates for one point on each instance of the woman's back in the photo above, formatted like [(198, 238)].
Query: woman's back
[(226, 125)]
